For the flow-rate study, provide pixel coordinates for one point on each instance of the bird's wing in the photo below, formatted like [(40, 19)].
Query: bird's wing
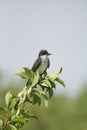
[(36, 64)]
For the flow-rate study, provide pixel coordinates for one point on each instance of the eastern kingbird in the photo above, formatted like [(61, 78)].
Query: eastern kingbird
[(42, 63)]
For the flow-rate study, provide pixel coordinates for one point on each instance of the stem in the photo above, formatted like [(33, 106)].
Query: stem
[(6, 123)]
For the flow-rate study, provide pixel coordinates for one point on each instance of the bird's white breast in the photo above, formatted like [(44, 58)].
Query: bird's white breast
[(43, 65)]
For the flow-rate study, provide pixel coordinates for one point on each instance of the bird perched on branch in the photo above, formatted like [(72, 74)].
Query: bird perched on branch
[(41, 63)]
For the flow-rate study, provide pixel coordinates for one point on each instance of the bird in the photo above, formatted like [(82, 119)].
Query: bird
[(42, 63)]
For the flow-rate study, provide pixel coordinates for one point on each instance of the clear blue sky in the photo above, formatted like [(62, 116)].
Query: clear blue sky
[(60, 26)]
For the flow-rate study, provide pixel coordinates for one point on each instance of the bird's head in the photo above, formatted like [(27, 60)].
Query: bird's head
[(44, 52)]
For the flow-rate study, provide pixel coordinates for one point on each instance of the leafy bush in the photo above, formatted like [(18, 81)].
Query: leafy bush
[(38, 89)]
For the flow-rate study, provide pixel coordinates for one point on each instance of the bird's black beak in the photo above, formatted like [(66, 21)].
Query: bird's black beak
[(49, 54)]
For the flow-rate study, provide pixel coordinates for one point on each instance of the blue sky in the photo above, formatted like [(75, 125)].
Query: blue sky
[(27, 26)]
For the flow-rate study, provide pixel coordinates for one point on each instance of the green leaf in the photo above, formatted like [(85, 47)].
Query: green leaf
[(34, 96), (22, 95), (8, 96), (12, 127), (13, 103), (36, 99), (45, 83), (33, 116), (21, 74), (60, 70), (16, 114), (1, 124), (29, 89), (35, 79), (13, 107), (60, 81), (29, 73), (27, 115), (55, 75), (42, 93), (26, 74), (2, 113), (52, 84), (18, 122), (50, 92), (45, 98)]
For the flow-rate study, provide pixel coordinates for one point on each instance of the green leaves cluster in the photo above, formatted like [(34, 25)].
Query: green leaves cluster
[(38, 89)]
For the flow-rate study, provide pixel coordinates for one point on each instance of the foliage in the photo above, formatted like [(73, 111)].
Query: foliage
[(39, 89), (64, 113)]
